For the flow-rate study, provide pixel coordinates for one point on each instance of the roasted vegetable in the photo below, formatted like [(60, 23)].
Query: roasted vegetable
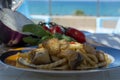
[(16, 29), (41, 56), (56, 29), (76, 34), (11, 24)]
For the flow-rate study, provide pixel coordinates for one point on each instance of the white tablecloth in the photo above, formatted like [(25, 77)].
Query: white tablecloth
[(109, 40), (114, 74)]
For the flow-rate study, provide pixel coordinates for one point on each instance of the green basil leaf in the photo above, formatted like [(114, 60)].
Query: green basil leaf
[(57, 35), (35, 30), (44, 38), (67, 38), (31, 40)]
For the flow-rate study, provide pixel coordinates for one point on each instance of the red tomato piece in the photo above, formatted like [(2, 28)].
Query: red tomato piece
[(56, 29), (76, 34)]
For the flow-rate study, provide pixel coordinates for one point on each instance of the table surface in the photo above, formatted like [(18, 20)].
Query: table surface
[(7, 73)]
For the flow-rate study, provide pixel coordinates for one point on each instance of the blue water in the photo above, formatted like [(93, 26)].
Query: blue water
[(69, 7)]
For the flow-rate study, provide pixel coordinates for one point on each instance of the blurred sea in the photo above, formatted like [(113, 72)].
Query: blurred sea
[(90, 8)]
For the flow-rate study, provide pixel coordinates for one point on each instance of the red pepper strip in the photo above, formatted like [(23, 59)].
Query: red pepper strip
[(72, 42), (56, 29), (76, 34), (46, 28)]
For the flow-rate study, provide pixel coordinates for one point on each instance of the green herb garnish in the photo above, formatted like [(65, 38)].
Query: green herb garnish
[(41, 35)]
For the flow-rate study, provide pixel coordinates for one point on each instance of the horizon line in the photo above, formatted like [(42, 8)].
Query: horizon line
[(81, 0)]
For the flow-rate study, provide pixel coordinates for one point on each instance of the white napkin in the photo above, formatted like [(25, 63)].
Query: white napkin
[(109, 40)]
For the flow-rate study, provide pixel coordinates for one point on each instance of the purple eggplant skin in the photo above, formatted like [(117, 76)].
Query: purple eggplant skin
[(11, 24), (16, 39), (5, 33), (10, 37)]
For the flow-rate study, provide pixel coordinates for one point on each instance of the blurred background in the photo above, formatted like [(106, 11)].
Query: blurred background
[(100, 16)]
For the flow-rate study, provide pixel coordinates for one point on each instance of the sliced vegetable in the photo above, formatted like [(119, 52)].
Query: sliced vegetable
[(76, 34), (11, 24), (16, 29), (43, 25), (56, 29), (46, 28)]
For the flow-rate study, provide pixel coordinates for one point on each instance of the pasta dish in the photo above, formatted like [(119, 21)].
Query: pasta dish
[(54, 54)]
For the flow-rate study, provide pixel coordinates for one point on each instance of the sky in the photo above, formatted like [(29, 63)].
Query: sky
[(86, 0), (74, 0)]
